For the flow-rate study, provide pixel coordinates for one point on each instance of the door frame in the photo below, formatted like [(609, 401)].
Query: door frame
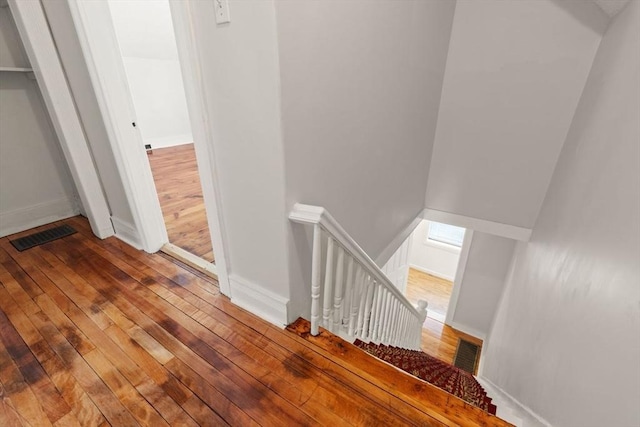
[(39, 45), (459, 277), (102, 53)]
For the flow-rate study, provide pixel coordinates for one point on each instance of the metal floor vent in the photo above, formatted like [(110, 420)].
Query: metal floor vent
[(466, 357), (42, 237)]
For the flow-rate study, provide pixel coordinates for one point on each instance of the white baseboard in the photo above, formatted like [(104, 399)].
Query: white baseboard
[(432, 272), (127, 233), (36, 215), (468, 330), (515, 403), (259, 301), (169, 141), (393, 246)]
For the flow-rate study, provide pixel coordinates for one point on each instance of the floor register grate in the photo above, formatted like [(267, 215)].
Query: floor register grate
[(466, 357), (42, 237)]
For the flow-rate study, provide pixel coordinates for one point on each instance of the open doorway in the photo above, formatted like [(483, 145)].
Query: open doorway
[(426, 265), (146, 39), (434, 254)]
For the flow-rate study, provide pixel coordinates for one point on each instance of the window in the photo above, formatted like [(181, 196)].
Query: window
[(445, 233)]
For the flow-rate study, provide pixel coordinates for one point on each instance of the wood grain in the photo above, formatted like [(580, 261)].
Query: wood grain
[(175, 173), (95, 332), (438, 340), (433, 289)]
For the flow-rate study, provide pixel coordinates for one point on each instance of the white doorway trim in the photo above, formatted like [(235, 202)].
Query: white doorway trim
[(38, 42), (202, 135), (102, 53), (100, 47), (457, 282)]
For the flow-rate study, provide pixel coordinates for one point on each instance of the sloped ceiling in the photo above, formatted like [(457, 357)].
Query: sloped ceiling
[(515, 72), (611, 7)]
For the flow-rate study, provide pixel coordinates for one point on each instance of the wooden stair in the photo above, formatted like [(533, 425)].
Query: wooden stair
[(389, 383)]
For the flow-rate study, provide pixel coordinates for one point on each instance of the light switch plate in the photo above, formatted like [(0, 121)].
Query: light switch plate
[(222, 11)]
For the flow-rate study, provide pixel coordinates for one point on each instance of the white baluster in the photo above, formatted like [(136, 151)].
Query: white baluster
[(337, 301), (395, 332), (394, 324), (348, 286), (405, 330), (355, 300), (387, 313), (362, 305), (374, 306), (316, 275), (378, 310), (367, 308), (328, 286)]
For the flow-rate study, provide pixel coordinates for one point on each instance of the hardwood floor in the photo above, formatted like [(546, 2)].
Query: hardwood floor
[(438, 340), (175, 173), (430, 288), (94, 332)]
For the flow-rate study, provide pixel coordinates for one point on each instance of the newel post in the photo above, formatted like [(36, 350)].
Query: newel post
[(422, 309)]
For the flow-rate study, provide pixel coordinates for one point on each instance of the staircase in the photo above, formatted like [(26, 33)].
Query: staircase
[(350, 295), (444, 376), (353, 299), (437, 405)]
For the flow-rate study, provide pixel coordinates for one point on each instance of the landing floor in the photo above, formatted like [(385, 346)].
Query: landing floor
[(175, 173), (95, 333), (438, 340)]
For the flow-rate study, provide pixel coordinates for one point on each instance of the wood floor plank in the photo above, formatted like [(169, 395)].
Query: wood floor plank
[(119, 358), (130, 398), (109, 406), (81, 406), (248, 393), (280, 383), (175, 172), (130, 338), (13, 357), (9, 416)]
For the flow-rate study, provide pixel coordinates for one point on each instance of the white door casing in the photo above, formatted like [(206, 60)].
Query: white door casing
[(102, 53), (100, 47), (202, 135), (43, 56)]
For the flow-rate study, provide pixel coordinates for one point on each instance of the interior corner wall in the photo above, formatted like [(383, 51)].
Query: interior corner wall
[(70, 52), (483, 282), (360, 96), (566, 338), (36, 186), (239, 65)]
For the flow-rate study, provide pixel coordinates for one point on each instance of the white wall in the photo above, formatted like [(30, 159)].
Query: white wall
[(360, 96), (566, 339), (35, 184), (437, 259), (515, 72), (241, 75), (360, 93), (482, 284), (147, 42), (72, 58)]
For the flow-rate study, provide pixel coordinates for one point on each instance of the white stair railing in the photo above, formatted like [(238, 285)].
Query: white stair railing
[(350, 295)]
